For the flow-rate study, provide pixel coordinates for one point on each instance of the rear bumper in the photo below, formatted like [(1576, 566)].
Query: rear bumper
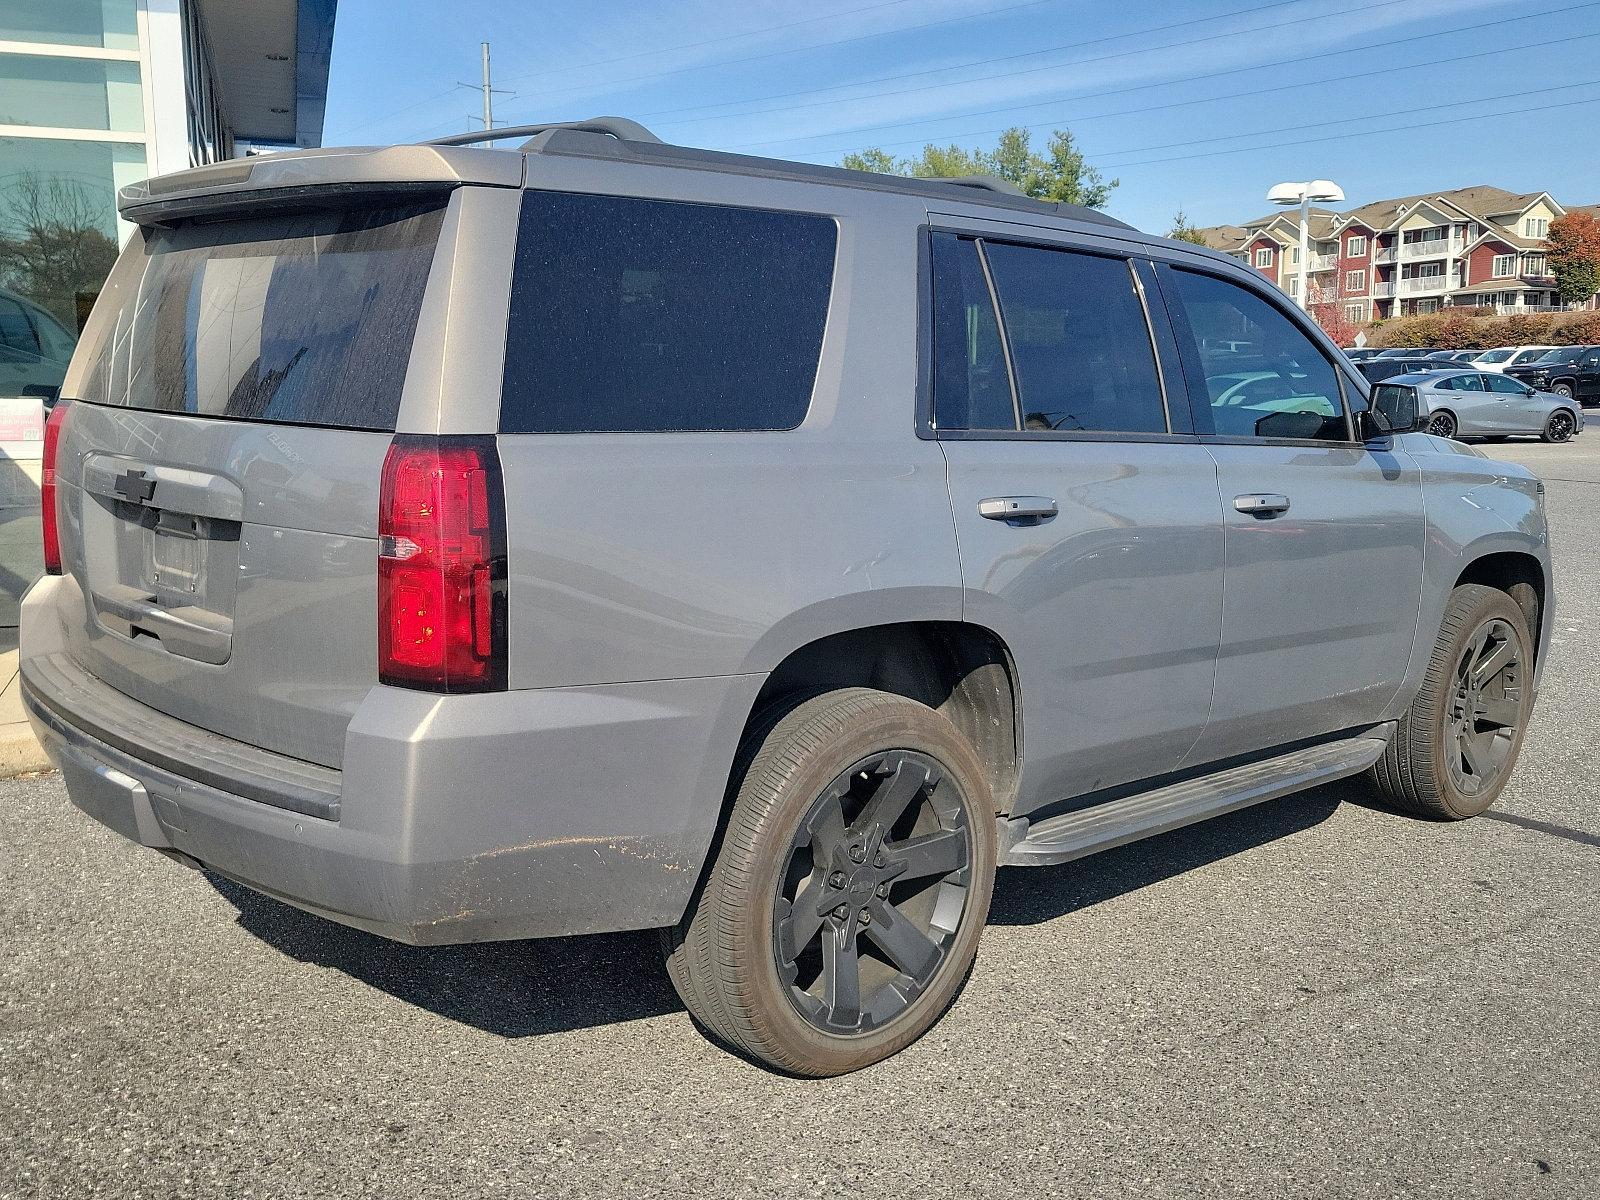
[(459, 818)]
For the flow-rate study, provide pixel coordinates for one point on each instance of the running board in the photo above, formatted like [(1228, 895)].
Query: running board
[(1118, 822)]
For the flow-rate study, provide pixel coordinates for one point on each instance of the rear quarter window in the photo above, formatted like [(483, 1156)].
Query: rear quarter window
[(640, 316)]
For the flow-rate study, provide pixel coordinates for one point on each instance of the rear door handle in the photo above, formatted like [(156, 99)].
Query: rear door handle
[(1017, 508), (1261, 504)]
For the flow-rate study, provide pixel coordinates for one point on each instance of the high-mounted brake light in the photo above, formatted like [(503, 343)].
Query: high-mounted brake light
[(47, 486), (442, 565)]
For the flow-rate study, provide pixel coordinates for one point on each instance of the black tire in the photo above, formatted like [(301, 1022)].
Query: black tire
[(1560, 426), (1426, 771), (727, 958), (1442, 424), (1563, 389)]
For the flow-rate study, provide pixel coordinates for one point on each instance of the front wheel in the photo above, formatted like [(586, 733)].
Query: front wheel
[(1560, 426), (844, 908), (1563, 389), (1454, 748), (1442, 424)]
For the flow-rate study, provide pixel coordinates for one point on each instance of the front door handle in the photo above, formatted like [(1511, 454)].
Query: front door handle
[(1017, 508), (1261, 504)]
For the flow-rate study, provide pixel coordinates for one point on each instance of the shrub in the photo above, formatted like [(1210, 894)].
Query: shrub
[(1576, 329)]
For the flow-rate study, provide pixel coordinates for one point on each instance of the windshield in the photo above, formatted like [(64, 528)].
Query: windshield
[(1494, 356), (302, 319), (1557, 355)]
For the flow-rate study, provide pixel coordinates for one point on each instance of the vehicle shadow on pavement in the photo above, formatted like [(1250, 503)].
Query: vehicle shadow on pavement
[(522, 989), (1033, 895), (513, 989)]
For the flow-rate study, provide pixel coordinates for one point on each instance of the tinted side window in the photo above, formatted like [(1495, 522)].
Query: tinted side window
[(635, 315), (971, 389), (1262, 375), (1079, 341), (1504, 383)]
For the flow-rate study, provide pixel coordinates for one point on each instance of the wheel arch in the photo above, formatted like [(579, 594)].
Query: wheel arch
[(1521, 576)]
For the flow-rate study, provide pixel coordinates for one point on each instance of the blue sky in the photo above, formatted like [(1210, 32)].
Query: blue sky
[(1193, 104)]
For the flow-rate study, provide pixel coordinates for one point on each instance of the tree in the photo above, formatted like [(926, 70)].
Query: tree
[(1574, 256), (53, 248), (1061, 173), (1322, 302), (1185, 232)]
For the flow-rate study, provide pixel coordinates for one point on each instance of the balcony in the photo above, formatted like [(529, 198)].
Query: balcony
[(1438, 248), (1384, 255), (1324, 262), (1382, 291), (1423, 284)]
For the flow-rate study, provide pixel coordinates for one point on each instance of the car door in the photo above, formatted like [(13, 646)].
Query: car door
[(1588, 385), (1520, 412), (1477, 409), (1090, 525), (1324, 535)]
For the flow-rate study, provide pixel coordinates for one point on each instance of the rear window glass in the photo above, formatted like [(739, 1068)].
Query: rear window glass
[(303, 319), (633, 315)]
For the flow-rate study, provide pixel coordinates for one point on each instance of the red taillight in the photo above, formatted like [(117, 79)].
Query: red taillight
[(442, 565), (47, 487)]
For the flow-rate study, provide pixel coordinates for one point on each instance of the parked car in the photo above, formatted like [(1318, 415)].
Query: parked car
[(1567, 371), (1408, 352), (1504, 357), (608, 535), (1486, 404), (34, 349), (1359, 353), (1461, 356), (1374, 370)]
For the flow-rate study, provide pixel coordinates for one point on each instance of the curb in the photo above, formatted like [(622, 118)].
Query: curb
[(20, 751)]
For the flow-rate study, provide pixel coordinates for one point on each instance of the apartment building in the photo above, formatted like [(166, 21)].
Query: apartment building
[(1473, 246)]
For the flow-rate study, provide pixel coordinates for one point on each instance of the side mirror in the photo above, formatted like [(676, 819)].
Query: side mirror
[(1395, 407), (1373, 426), (1528, 391)]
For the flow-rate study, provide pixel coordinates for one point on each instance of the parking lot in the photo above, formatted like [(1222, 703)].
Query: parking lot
[(1311, 997)]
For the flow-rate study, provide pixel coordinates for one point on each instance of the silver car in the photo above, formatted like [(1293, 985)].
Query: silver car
[(1458, 404), (599, 535)]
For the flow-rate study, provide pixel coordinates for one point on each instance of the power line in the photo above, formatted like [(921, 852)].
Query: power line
[(726, 38), (1337, 137), (1297, 85), (729, 62), (983, 62), (1293, 61), (1410, 111)]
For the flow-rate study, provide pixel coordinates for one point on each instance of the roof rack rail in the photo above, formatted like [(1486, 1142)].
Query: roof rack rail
[(620, 128), (986, 183)]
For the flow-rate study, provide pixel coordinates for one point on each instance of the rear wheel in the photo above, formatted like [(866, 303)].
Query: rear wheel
[(1442, 424), (845, 905), (1560, 426), (1563, 389), (1455, 746)]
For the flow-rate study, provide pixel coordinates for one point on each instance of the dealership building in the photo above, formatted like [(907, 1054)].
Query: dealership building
[(95, 94)]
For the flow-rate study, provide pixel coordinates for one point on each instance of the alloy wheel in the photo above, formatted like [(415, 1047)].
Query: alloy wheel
[(873, 892), (1484, 709), (1561, 426), (1442, 425)]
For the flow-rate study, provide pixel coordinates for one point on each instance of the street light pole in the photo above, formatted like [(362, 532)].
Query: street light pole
[(1286, 194)]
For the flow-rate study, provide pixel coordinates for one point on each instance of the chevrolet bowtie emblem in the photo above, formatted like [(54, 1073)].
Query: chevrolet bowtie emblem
[(135, 486)]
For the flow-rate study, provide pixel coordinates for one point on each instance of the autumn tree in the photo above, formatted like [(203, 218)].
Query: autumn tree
[(1322, 303), (1060, 173), (51, 245), (1183, 231), (1574, 256)]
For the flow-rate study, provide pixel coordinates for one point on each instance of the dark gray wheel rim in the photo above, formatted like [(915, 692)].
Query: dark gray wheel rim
[(1561, 424), (1485, 708), (873, 892), (1443, 425)]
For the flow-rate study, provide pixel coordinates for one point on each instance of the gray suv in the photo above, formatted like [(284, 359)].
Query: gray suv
[(465, 543)]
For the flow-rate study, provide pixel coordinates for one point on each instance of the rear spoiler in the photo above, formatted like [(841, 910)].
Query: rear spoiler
[(314, 178)]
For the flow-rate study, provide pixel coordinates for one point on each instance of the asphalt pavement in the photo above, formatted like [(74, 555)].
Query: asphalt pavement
[(1313, 997)]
